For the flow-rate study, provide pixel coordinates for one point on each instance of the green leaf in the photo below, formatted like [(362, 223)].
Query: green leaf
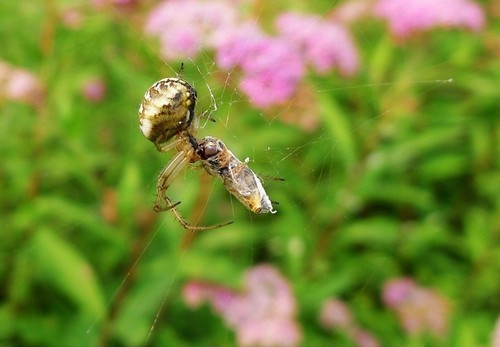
[(60, 266), (339, 127)]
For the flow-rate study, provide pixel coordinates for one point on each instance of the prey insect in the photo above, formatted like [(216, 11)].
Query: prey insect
[(236, 176)]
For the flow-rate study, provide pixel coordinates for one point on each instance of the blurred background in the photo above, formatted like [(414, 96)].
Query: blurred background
[(381, 116)]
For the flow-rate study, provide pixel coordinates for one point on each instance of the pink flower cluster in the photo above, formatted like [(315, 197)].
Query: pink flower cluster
[(186, 27), (406, 17), (20, 85), (324, 44), (335, 314), (271, 66), (262, 315), (418, 309)]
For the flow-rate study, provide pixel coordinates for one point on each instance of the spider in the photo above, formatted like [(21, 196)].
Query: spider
[(166, 111), (236, 176)]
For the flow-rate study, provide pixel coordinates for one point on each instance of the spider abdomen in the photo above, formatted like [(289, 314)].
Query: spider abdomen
[(167, 109)]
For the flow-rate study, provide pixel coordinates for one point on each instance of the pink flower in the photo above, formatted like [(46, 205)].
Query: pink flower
[(495, 339), (364, 338), (196, 293), (397, 292), (271, 67), (276, 82), (236, 45), (72, 17), (350, 11), (268, 293), (419, 309), (186, 27), (408, 16), (335, 314), (94, 90), (20, 85), (324, 44), (269, 332), (261, 315)]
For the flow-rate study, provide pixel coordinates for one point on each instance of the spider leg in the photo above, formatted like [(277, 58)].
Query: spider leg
[(170, 145), (270, 178), (207, 115), (168, 174), (186, 225), (181, 70)]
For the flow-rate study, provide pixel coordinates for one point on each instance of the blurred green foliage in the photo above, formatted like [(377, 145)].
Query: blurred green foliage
[(400, 178)]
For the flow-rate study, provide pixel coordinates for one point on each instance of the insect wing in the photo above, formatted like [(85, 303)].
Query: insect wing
[(246, 186)]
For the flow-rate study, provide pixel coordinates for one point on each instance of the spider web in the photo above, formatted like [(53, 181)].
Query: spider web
[(223, 101)]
